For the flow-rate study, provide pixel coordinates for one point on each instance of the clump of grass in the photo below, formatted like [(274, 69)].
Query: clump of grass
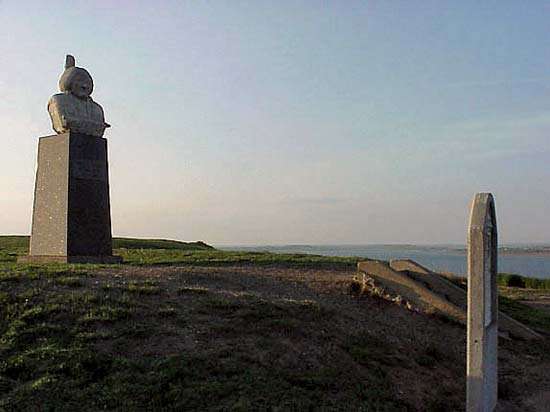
[(430, 356), (221, 303), (22, 334), (192, 290), (532, 317), (105, 313), (518, 281), (534, 283), (4, 298), (136, 330), (510, 280), (43, 381), (288, 326), (6, 276), (143, 288), (167, 312), (29, 293), (88, 336), (71, 281), (252, 316), (372, 352), (325, 378), (88, 298), (39, 312), (107, 287)]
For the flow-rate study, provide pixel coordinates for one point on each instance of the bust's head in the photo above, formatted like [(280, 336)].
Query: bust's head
[(76, 80)]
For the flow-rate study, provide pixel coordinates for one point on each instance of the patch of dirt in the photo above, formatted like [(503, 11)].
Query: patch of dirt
[(241, 309)]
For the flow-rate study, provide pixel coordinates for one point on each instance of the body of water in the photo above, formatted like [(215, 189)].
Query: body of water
[(437, 258)]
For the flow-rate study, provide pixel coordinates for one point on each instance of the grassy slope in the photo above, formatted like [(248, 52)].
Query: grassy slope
[(166, 252), (66, 333), (54, 317), (21, 244), (53, 323)]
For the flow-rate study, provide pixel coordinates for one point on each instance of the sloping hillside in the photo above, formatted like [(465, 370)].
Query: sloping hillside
[(21, 243), (259, 332)]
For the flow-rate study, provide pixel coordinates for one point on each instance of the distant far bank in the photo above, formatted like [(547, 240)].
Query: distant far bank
[(527, 260), (333, 250), (508, 249)]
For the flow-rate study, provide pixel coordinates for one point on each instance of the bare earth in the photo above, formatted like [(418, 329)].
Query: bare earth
[(435, 380)]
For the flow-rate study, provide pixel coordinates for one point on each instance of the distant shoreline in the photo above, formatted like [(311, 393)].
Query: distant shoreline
[(535, 252)]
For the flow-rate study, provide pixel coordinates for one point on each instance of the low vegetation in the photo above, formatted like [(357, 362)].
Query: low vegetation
[(168, 252), (201, 336), (518, 281), (532, 317), (71, 340)]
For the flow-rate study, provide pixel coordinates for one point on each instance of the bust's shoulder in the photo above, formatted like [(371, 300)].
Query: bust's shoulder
[(96, 106), (59, 99), (59, 96)]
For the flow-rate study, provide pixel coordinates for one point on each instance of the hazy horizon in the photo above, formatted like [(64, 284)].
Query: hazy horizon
[(241, 123), (275, 245)]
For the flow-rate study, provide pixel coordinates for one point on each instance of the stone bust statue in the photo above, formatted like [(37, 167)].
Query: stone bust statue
[(73, 109)]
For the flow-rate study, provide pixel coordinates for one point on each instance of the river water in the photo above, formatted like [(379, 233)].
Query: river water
[(437, 258)]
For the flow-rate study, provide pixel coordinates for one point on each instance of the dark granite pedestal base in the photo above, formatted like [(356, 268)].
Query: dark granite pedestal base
[(70, 259), (71, 219)]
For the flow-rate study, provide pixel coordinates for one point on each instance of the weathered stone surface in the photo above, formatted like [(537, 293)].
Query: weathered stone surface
[(411, 290), (73, 109), (482, 339), (71, 214), (51, 197), (442, 286)]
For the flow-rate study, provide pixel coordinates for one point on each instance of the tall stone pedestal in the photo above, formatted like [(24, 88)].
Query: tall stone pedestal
[(71, 215)]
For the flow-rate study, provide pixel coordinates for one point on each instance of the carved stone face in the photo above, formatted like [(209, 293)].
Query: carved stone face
[(76, 81), (81, 86)]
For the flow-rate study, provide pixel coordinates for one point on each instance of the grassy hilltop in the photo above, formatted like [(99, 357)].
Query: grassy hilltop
[(183, 326), (166, 252)]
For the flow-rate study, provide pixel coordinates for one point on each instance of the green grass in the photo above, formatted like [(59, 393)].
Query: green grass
[(192, 290), (219, 257), (21, 244), (13, 246), (70, 281), (145, 252), (532, 317), (131, 243), (515, 280), (509, 294), (509, 280), (64, 347), (52, 319), (143, 288), (67, 335)]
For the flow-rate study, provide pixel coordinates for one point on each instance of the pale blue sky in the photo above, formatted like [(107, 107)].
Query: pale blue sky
[(293, 121)]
